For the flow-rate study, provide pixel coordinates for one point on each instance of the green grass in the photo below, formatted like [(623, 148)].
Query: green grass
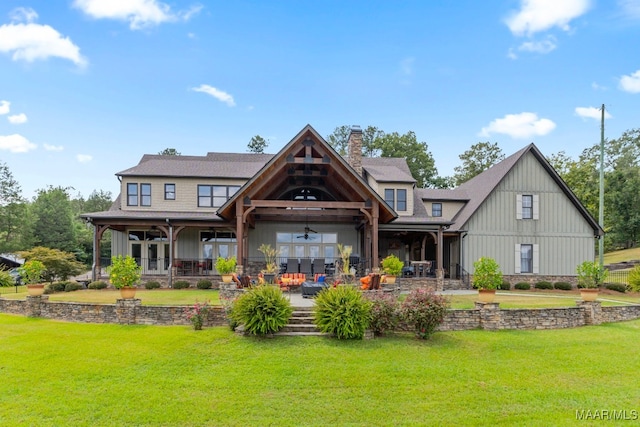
[(56, 373), (109, 296), (622, 255), (543, 299)]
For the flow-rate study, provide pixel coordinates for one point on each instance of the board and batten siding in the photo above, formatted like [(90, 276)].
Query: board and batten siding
[(186, 193), (564, 237)]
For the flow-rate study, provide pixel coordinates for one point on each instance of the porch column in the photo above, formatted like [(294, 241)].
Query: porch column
[(374, 233), (98, 231), (240, 231), (440, 269)]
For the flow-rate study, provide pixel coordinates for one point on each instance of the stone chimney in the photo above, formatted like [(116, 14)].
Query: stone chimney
[(354, 149)]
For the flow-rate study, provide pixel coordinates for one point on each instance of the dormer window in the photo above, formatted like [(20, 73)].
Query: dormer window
[(396, 199), (436, 209)]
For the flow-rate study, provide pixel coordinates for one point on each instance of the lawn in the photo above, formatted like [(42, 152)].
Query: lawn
[(622, 255), (56, 373)]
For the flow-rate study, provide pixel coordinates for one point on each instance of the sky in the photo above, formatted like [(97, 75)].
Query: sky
[(87, 87)]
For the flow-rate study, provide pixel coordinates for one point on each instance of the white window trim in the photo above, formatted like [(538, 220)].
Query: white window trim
[(536, 206), (536, 258)]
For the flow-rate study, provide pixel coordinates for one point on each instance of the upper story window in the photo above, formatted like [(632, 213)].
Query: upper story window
[(396, 199), (215, 195), (527, 206), (145, 194), (402, 199), (169, 191), (436, 209), (132, 194)]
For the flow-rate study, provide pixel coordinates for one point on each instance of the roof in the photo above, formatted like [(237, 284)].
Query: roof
[(481, 186), (388, 169)]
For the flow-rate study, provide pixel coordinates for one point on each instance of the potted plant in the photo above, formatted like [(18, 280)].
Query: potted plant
[(345, 270), (226, 267), (392, 267), (487, 277), (31, 272), (590, 276), (271, 267), (124, 274)]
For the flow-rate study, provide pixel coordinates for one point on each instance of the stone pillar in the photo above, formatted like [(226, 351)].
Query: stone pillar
[(439, 279), (354, 149), (490, 317), (592, 311), (126, 310), (33, 306)]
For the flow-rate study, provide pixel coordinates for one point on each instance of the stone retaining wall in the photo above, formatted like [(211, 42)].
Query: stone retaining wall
[(484, 316)]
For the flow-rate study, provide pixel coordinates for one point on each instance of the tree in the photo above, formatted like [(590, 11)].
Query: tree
[(54, 219), (169, 152), (12, 211), (59, 265), (257, 144), (339, 140), (98, 201), (477, 159)]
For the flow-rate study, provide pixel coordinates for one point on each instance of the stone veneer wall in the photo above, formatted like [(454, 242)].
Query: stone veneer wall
[(484, 316)]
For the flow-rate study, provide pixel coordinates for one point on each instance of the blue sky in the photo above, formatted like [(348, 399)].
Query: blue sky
[(89, 86)]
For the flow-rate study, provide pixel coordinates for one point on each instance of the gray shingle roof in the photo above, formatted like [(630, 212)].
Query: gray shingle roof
[(388, 169)]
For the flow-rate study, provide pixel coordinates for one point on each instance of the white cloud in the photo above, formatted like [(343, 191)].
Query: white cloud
[(631, 83), (523, 125), (49, 147), (511, 54), (17, 119), (596, 86), (544, 46), (216, 93), (540, 15), (16, 143), (84, 158), (23, 14), (4, 107), (406, 65), (592, 113), (30, 42), (139, 13), (630, 8)]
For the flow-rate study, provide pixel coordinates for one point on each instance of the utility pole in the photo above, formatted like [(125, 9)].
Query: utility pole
[(601, 207)]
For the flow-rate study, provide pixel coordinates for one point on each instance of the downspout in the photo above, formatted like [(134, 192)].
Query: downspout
[(170, 253)]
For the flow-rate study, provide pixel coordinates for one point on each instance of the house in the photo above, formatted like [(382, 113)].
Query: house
[(177, 214)]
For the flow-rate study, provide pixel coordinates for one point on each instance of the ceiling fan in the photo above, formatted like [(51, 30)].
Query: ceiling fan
[(307, 230)]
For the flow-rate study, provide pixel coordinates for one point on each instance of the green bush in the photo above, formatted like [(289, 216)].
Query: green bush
[(181, 284), (384, 311), (486, 274), (543, 284), (618, 287), (98, 284), (563, 286), (343, 312), (262, 310), (152, 284), (204, 284), (56, 287), (504, 286), (424, 311), (634, 279), (72, 286), (522, 286), (5, 279)]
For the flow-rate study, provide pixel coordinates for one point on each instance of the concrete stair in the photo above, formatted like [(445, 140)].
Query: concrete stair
[(301, 324)]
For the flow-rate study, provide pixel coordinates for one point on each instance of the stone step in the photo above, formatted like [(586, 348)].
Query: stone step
[(301, 320), (291, 327), (301, 334)]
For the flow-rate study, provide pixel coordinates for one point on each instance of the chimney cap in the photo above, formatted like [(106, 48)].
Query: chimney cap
[(356, 128)]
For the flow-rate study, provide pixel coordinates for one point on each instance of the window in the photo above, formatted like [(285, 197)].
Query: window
[(402, 200), (389, 197), (527, 258), (527, 206), (145, 194), (132, 194), (215, 195), (169, 191), (436, 209)]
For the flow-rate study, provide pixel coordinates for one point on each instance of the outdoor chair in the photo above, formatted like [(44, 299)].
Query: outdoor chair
[(305, 266), (292, 265), (318, 266)]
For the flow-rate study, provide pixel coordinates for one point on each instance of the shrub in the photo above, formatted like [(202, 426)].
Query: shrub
[(618, 287), (486, 274), (152, 284), (204, 284), (392, 265), (384, 311), (591, 274), (505, 286), (56, 287), (181, 284), (5, 278), (423, 310), (543, 284), (634, 279), (522, 286), (124, 271), (98, 284), (72, 286), (262, 310), (563, 286), (343, 312)]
